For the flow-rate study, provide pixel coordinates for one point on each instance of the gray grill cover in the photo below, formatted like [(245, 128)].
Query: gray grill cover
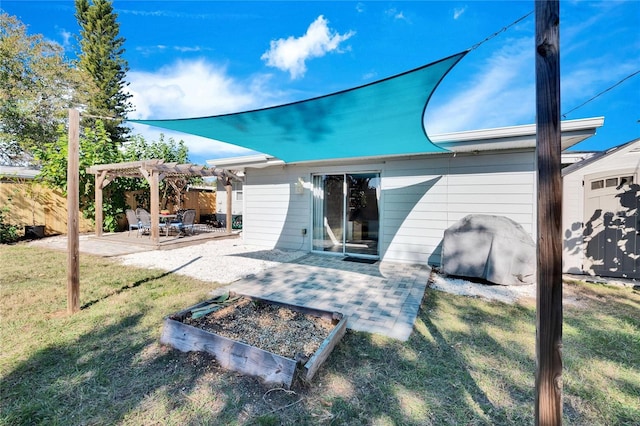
[(494, 248)]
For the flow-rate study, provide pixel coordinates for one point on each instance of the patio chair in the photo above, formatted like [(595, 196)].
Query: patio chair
[(132, 218), (187, 222), (144, 218)]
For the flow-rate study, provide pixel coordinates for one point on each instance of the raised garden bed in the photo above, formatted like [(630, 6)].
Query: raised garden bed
[(268, 339)]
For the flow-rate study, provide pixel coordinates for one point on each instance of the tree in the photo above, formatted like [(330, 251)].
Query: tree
[(101, 50), (138, 149), (37, 86), (96, 147)]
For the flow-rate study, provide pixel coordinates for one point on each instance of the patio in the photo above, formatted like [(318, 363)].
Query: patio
[(121, 243), (382, 298)]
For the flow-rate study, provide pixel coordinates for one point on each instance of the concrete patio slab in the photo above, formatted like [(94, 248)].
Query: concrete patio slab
[(381, 298)]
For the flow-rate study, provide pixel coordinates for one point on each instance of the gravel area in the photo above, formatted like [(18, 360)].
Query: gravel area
[(227, 260), (506, 294), (222, 261)]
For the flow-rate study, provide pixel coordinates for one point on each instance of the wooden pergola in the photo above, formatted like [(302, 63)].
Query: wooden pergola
[(154, 171)]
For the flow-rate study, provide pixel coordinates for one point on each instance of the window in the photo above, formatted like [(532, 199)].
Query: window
[(597, 184), (626, 180), (238, 195), (609, 182)]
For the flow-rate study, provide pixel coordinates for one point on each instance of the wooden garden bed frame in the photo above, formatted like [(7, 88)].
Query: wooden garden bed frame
[(247, 359)]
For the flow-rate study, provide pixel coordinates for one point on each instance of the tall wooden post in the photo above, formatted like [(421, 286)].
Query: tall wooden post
[(154, 187), (100, 183), (548, 410), (229, 188), (73, 206)]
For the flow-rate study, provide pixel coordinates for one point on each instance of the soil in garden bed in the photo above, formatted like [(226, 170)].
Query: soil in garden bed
[(273, 328)]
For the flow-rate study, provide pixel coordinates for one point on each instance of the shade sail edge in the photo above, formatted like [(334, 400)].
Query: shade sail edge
[(385, 117)]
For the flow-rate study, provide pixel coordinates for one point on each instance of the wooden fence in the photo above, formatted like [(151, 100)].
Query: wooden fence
[(29, 203)]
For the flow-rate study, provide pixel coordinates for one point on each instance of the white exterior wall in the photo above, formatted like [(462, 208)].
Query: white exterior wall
[(274, 213), (420, 198), (449, 188), (237, 198), (573, 201)]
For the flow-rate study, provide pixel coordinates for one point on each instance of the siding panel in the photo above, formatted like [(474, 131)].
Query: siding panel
[(420, 198)]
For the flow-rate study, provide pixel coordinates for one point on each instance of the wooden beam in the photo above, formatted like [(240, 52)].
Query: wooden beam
[(73, 207), (121, 166), (548, 409)]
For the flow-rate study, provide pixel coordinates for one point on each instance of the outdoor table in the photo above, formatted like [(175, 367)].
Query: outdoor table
[(166, 219)]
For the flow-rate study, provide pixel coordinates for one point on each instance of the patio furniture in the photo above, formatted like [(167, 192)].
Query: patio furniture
[(187, 222), (166, 220), (132, 218), (144, 218)]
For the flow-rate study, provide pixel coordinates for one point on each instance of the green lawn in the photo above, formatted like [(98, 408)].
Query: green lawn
[(468, 361)]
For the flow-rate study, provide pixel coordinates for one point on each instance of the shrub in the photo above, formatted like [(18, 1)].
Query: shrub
[(8, 232)]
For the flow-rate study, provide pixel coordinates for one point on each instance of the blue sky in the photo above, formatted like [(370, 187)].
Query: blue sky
[(200, 58)]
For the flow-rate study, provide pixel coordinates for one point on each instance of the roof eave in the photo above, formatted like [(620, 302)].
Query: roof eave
[(502, 138), (515, 137)]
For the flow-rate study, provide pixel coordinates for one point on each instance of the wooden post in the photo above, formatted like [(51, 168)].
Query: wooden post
[(548, 410), (98, 205), (99, 187), (73, 206), (154, 187), (153, 178), (229, 188)]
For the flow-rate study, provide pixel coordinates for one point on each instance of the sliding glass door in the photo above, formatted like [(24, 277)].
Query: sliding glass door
[(346, 214)]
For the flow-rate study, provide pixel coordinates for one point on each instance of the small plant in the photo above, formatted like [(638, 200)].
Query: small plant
[(8, 232)]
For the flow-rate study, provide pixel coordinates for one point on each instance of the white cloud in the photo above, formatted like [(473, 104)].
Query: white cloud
[(190, 89), (501, 93), (194, 89), (292, 53), (67, 37), (396, 14), (458, 11), (200, 149), (162, 49)]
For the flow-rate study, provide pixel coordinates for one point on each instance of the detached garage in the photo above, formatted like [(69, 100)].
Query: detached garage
[(600, 214)]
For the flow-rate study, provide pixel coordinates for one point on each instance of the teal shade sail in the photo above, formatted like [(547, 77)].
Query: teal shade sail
[(378, 119)]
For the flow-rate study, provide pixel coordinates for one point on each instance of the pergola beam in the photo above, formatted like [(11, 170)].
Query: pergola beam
[(154, 171)]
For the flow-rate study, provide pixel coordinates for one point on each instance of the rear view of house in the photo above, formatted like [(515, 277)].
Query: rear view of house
[(395, 208), (600, 214)]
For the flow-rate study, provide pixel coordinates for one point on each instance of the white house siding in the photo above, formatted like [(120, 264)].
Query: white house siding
[(498, 183), (236, 198), (274, 214), (625, 160), (420, 198)]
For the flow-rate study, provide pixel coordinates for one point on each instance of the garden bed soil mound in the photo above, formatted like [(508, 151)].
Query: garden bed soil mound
[(269, 327)]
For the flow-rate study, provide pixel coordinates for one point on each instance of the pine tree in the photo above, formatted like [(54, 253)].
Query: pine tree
[(101, 57)]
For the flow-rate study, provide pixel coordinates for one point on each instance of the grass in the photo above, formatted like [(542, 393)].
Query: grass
[(468, 361)]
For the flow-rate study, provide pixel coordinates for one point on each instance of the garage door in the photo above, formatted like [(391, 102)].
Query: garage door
[(611, 232)]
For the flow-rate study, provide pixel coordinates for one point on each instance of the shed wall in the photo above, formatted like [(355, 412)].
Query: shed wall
[(573, 204), (420, 198)]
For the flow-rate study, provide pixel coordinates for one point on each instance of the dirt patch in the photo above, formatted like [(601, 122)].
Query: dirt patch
[(273, 328)]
